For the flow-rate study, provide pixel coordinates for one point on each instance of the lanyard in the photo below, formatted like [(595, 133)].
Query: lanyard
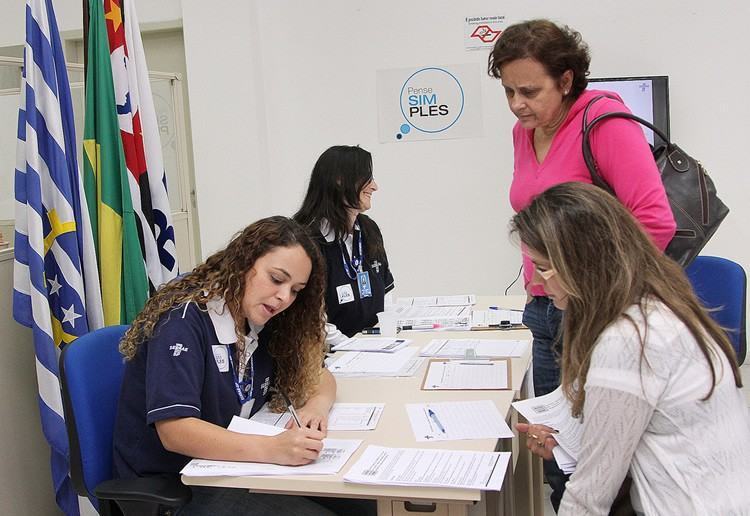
[(239, 385), (351, 268)]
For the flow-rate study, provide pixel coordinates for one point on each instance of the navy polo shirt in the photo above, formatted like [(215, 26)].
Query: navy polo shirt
[(183, 370), (351, 313)]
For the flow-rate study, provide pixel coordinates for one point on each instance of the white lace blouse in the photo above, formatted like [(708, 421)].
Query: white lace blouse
[(647, 418)]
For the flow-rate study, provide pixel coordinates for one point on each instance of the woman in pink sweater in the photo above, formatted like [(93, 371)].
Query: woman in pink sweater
[(543, 69)]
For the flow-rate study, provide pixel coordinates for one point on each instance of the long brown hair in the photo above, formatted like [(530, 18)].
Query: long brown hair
[(297, 333), (606, 263)]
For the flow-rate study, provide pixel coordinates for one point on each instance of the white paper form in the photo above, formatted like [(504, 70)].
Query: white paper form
[(438, 317), (374, 344), (459, 300), (554, 410), (343, 416), (360, 363), (456, 420), (335, 453), (480, 348), (496, 318), (468, 374), (436, 468)]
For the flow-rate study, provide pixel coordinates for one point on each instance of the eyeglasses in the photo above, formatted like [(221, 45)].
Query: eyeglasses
[(545, 275)]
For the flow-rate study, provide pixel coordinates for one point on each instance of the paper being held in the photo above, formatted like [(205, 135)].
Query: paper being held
[(554, 411)]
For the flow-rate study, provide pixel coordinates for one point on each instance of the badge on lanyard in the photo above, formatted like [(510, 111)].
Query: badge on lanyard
[(363, 281)]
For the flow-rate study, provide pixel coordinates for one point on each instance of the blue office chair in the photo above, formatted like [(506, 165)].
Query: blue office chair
[(91, 369), (721, 285)]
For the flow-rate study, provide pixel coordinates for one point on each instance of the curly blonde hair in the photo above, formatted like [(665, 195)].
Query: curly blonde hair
[(297, 337)]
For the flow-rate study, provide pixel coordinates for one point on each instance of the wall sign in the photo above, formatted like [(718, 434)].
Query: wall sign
[(428, 103)]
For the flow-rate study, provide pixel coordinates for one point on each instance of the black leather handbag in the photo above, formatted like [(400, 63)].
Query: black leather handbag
[(696, 207)]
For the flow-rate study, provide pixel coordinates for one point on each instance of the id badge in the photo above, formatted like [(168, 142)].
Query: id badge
[(363, 281), (246, 408)]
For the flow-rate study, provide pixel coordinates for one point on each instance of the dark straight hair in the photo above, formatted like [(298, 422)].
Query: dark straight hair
[(337, 179)]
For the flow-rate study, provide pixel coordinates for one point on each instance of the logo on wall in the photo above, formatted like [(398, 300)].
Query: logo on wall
[(485, 34), (432, 100)]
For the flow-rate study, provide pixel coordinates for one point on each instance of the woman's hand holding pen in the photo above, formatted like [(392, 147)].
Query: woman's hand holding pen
[(539, 439), (314, 414), (296, 446)]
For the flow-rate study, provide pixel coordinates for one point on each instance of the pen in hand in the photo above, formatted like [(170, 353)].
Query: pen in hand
[(291, 409)]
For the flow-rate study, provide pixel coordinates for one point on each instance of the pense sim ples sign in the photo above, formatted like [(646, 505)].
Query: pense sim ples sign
[(432, 102)]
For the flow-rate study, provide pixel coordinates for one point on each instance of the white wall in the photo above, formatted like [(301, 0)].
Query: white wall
[(278, 82)]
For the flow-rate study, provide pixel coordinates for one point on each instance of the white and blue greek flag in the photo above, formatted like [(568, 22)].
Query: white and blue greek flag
[(55, 286)]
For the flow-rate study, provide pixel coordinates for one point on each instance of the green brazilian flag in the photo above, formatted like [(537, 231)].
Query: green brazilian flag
[(118, 249)]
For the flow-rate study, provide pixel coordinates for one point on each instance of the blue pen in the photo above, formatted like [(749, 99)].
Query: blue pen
[(436, 420), (494, 308)]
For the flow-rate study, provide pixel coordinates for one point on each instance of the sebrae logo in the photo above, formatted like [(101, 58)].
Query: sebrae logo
[(178, 348)]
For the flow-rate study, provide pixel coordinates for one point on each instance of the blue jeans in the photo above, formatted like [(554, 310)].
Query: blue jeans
[(544, 320), (227, 501)]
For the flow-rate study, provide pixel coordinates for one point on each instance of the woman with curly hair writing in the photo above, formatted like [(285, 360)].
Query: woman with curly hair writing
[(217, 343)]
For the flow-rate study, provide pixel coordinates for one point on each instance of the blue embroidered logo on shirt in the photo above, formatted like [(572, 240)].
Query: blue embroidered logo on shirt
[(178, 348)]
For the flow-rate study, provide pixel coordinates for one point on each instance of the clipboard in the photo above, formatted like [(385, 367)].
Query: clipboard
[(459, 368)]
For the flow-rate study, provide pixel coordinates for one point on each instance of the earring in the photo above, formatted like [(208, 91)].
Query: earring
[(565, 92)]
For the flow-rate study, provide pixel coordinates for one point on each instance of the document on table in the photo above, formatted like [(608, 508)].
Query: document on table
[(343, 416), (360, 363), (434, 317), (491, 319), (335, 453), (428, 467), (459, 300), (456, 420), (553, 410), (377, 344), (477, 348), (467, 375)]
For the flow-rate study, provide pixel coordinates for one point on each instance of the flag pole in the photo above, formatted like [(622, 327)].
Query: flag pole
[(85, 39)]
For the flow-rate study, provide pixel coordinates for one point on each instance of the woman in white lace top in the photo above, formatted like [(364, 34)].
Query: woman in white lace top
[(652, 378)]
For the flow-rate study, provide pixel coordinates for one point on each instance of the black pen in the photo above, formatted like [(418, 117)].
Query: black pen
[(291, 409)]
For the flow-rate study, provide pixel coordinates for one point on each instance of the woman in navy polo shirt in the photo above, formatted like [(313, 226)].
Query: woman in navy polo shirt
[(340, 191), (210, 346)]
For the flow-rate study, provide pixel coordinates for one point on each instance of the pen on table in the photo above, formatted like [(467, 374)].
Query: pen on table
[(420, 326), (370, 331), (434, 417), (291, 409), (494, 308), (482, 362)]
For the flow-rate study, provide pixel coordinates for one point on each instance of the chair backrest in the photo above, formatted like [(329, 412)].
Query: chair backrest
[(721, 285), (91, 369)]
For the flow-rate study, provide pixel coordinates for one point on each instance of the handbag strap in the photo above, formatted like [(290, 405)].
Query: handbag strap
[(588, 155)]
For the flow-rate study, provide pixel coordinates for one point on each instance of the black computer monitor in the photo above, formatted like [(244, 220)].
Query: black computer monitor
[(647, 97)]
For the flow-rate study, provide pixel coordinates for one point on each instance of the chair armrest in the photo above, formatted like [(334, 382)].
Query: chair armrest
[(166, 491)]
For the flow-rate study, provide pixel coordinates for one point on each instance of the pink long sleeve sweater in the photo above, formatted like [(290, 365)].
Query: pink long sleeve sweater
[(622, 155)]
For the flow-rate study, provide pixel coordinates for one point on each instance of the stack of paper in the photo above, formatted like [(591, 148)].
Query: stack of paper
[(437, 468), (376, 344), (455, 420), (553, 410), (343, 416), (459, 300), (490, 319), (360, 363), (474, 348), (335, 453), (467, 375), (416, 317)]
